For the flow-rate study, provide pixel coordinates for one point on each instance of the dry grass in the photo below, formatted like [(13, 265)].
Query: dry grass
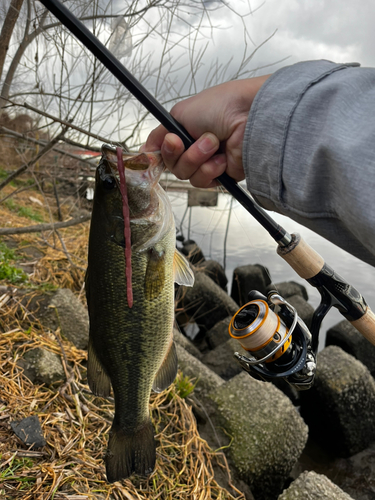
[(74, 422)]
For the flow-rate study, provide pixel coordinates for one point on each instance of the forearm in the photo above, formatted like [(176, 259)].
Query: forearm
[(309, 151)]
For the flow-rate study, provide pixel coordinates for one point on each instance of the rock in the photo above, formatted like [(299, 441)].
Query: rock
[(339, 409), (215, 271), (42, 366), (268, 433), (207, 382), (192, 251), (221, 359), (29, 431), (312, 486), (204, 410), (291, 392), (206, 303), (247, 278), (288, 289), (351, 341), (218, 334), (184, 342), (64, 310), (356, 475), (304, 309)]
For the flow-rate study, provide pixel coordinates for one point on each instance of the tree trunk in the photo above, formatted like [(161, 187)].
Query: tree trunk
[(7, 30)]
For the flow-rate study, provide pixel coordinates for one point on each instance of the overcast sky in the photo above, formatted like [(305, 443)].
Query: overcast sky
[(341, 31)]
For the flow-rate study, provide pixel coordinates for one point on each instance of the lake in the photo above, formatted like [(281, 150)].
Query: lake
[(249, 243)]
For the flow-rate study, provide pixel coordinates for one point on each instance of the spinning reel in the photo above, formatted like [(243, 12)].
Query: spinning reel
[(279, 345)]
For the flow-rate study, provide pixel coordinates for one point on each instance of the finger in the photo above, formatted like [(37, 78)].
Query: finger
[(171, 150), (195, 156), (155, 139), (205, 176)]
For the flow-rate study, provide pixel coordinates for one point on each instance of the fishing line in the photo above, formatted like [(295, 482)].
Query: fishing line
[(189, 223), (226, 233), (252, 247), (218, 221), (182, 220), (193, 233)]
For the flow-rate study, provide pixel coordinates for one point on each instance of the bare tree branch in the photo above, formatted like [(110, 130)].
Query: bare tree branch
[(7, 29), (38, 228), (63, 122), (12, 133), (25, 166)]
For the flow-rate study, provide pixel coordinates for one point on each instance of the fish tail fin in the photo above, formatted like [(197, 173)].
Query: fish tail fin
[(130, 452)]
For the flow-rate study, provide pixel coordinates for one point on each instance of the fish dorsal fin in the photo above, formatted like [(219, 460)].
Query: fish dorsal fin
[(99, 381), (168, 369), (182, 272)]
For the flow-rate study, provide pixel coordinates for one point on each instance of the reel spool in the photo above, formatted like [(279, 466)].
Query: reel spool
[(260, 331), (267, 337)]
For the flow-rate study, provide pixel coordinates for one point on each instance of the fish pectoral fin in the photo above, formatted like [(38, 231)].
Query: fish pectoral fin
[(167, 371), (155, 274), (99, 381), (182, 272)]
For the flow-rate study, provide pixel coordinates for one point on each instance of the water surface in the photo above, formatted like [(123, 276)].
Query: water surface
[(249, 243)]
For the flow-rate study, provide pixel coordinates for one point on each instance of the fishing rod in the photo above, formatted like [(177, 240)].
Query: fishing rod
[(84, 35), (265, 335)]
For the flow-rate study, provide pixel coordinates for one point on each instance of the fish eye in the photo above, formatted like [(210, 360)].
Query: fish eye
[(109, 182)]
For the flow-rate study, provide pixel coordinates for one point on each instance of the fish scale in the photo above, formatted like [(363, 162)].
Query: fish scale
[(131, 349)]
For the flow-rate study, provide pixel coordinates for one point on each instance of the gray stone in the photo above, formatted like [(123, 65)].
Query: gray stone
[(207, 380), (64, 310), (218, 334), (205, 412), (215, 271), (288, 289), (267, 431), (312, 486), (42, 366), (221, 359), (351, 341), (206, 303), (290, 391), (356, 475), (247, 278), (192, 251), (304, 309), (29, 431), (339, 409), (184, 342)]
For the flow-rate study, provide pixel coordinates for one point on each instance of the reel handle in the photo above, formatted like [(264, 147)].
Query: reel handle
[(309, 265)]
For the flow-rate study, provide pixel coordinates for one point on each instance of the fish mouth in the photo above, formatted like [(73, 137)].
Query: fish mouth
[(140, 168), (142, 173)]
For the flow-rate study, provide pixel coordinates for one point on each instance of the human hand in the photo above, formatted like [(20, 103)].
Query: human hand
[(216, 118)]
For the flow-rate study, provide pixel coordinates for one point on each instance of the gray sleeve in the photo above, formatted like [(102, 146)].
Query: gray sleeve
[(309, 151)]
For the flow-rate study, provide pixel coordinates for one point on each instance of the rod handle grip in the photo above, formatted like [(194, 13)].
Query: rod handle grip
[(306, 262), (366, 325)]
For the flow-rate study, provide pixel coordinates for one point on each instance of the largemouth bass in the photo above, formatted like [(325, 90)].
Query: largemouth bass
[(131, 348)]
